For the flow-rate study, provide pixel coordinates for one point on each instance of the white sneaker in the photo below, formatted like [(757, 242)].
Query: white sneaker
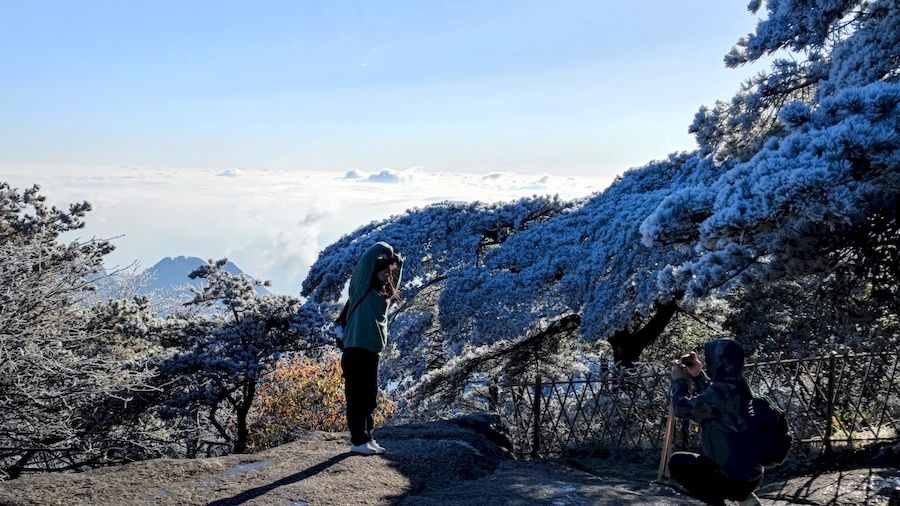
[(364, 449), (377, 446)]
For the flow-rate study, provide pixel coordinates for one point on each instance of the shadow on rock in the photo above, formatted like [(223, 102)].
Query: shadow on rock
[(287, 480)]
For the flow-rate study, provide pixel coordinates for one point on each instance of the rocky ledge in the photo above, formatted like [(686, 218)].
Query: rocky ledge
[(462, 461)]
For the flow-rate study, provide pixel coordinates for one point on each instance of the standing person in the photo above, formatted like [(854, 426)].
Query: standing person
[(726, 469), (372, 286)]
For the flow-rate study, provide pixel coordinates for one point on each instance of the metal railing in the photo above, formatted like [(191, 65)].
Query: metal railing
[(850, 398)]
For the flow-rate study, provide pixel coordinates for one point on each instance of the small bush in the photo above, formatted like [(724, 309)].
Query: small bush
[(303, 394)]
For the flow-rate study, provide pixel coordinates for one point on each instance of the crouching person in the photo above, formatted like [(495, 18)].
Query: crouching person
[(726, 468)]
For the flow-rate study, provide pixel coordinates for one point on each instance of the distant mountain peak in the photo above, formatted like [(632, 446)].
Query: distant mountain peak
[(171, 273)]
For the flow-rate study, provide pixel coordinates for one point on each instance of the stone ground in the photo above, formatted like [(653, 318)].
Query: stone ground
[(437, 463)]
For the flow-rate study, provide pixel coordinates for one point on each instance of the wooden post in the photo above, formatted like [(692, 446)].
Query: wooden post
[(536, 417), (829, 423), (667, 444)]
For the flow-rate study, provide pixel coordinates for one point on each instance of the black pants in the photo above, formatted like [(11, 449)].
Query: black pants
[(360, 368), (703, 480)]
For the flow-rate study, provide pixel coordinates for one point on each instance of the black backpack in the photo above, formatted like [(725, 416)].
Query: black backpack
[(769, 430)]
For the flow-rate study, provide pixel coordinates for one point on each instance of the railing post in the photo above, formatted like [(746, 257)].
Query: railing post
[(536, 414), (493, 397), (829, 424)]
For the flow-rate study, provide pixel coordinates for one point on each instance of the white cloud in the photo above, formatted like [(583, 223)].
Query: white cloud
[(231, 173), (543, 181), (274, 223), (385, 176), (494, 176), (313, 216), (282, 258)]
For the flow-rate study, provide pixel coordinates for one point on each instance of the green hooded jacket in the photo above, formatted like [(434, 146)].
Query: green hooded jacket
[(367, 326), (721, 409)]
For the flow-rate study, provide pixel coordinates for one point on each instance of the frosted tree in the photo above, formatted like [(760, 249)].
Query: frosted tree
[(86, 380), (797, 315), (445, 389), (219, 356), (58, 362), (818, 46), (820, 196), (537, 294), (589, 261), (437, 242)]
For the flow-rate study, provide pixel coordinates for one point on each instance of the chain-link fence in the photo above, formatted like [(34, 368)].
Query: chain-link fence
[(849, 399)]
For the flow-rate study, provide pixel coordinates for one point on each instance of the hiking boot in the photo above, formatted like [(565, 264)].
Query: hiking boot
[(376, 446), (751, 500), (364, 449)]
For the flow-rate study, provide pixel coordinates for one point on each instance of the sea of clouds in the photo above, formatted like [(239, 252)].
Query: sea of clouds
[(271, 223)]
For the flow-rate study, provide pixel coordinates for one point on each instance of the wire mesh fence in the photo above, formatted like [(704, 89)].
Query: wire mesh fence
[(838, 399)]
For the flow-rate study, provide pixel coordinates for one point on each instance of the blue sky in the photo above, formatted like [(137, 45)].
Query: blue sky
[(568, 88)]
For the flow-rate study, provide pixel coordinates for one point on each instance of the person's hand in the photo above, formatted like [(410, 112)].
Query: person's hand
[(694, 367)]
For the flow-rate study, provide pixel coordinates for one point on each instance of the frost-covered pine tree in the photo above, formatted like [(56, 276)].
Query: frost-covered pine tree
[(817, 192), (218, 357), (589, 261), (59, 361)]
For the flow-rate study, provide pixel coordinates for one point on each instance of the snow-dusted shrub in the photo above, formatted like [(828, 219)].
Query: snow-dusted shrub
[(218, 357), (59, 362)]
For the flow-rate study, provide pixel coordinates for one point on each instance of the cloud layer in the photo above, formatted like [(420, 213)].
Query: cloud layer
[(270, 223)]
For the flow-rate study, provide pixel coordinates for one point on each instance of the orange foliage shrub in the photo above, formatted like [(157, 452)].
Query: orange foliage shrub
[(302, 394)]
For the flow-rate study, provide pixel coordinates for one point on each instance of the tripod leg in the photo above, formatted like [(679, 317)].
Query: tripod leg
[(667, 445)]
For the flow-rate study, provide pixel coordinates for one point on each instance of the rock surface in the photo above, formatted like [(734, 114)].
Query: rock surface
[(427, 464)]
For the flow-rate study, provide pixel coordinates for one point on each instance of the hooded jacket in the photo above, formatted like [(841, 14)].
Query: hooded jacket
[(721, 409), (367, 324)]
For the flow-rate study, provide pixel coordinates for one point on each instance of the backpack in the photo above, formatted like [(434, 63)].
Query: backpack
[(769, 430)]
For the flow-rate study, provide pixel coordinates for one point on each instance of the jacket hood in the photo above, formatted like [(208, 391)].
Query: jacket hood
[(724, 359), (361, 279)]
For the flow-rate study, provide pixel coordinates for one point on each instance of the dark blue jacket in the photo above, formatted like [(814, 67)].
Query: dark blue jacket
[(721, 408)]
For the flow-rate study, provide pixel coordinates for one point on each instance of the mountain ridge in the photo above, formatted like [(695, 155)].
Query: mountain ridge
[(170, 275)]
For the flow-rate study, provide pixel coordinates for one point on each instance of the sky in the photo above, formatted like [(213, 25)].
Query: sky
[(181, 121)]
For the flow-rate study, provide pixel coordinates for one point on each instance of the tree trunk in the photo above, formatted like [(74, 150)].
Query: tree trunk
[(240, 442), (628, 345)]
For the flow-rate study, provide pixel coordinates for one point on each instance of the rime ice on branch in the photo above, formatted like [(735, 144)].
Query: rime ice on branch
[(796, 176)]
